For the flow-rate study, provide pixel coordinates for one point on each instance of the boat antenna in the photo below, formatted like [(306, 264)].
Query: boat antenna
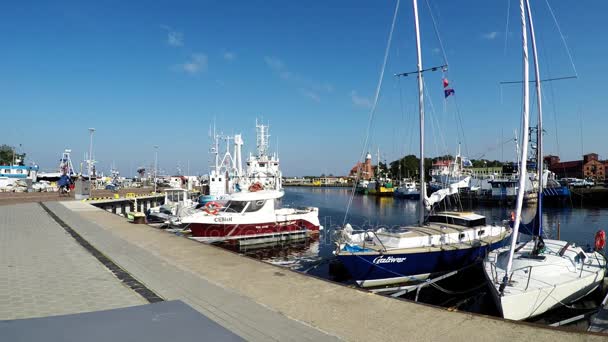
[(524, 149)]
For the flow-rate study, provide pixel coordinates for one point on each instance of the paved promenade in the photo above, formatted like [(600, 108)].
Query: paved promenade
[(43, 271)]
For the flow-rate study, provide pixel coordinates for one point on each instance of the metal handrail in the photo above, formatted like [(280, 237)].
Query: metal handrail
[(377, 238)]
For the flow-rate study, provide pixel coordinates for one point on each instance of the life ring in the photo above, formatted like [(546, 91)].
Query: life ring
[(600, 240), (212, 208), (256, 187)]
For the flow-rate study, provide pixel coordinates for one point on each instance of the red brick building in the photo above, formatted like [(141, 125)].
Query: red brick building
[(365, 170), (589, 167)]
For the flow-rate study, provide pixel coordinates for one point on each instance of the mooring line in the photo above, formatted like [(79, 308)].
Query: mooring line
[(120, 273)]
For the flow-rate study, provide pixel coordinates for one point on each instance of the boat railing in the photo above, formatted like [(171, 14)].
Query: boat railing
[(529, 268), (373, 232)]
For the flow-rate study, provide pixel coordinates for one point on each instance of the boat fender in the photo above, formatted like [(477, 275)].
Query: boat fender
[(600, 240), (212, 208)]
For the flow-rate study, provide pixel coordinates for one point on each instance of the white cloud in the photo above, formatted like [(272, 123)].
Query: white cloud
[(274, 63), (308, 88), (285, 75), (174, 38), (360, 101), (198, 63), (229, 56), (311, 95), (436, 51), (490, 35)]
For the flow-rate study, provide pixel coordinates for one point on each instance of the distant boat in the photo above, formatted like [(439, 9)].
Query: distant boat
[(529, 278), (441, 242), (407, 190)]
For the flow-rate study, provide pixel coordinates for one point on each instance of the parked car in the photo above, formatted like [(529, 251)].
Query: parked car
[(581, 183), (112, 187)]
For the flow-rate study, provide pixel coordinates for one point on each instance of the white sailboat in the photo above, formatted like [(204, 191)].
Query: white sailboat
[(530, 278)]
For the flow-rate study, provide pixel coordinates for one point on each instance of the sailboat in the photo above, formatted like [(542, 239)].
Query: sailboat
[(530, 278), (440, 243)]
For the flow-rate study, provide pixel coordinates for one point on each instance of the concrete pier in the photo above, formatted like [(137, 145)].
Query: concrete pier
[(255, 300)]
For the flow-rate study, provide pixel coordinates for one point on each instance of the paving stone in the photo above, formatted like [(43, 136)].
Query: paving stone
[(44, 271)]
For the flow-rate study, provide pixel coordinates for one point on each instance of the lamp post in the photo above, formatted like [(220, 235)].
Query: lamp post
[(91, 131), (155, 165)]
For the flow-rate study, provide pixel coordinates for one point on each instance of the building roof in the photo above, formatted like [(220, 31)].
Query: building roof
[(443, 163)]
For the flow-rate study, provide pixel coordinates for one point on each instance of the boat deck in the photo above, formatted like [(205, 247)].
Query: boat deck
[(530, 273), (434, 236)]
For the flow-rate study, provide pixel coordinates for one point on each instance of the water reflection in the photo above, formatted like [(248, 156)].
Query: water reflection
[(577, 225)]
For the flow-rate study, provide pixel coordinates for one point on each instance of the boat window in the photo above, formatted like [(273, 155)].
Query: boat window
[(457, 221), (235, 206), (255, 206)]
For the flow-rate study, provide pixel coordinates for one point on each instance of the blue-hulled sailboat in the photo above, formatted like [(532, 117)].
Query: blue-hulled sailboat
[(439, 243)]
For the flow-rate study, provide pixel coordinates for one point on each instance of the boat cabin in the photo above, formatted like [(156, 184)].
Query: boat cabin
[(176, 196), (252, 202), (464, 219)]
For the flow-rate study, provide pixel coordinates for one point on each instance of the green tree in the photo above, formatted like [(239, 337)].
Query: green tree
[(7, 155)]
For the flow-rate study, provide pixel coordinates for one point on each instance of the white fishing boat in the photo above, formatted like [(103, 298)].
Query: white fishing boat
[(252, 216), (439, 243), (227, 176), (264, 167), (529, 278)]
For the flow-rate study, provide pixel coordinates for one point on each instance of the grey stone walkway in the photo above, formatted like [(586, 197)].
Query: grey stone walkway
[(44, 272), (172, 279)]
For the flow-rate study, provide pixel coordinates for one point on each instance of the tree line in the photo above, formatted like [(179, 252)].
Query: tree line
[(408, 166)]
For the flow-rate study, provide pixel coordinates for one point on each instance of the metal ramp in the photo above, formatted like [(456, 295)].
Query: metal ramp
[(159, 322)]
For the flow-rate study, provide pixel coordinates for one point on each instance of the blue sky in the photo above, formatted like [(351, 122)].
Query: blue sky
[(158, 73)]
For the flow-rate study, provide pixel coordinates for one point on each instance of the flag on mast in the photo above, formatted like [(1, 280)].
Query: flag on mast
[(448, 92)]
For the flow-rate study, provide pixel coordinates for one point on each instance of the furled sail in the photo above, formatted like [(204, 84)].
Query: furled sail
[(452, 189)]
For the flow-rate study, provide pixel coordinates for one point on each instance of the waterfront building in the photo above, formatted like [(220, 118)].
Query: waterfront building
[(589, 167), (364, 170)]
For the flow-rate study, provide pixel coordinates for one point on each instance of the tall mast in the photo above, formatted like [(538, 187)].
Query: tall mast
[(421, 111), (524, 148), (378, 167), (539, 127)]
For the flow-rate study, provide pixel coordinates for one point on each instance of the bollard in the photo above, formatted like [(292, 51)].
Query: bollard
[(558, 231)]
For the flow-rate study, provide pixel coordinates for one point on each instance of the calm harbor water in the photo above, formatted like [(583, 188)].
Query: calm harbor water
[(315, 257)]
